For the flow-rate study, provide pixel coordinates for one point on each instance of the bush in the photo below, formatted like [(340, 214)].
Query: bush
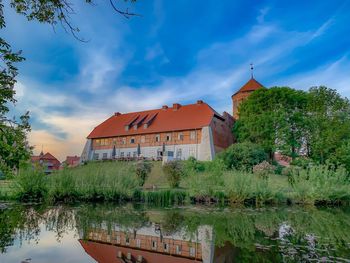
[(143, 168), (239, 186), (302, 162), (242, 156), (263, 169), (173, 171)]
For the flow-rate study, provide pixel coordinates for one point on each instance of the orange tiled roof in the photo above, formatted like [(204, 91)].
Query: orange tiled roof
[(251, 85), (71, 160), (192, 116), (106, 253)]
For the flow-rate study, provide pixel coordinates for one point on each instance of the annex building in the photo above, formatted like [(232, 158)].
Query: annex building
[(177, 131)]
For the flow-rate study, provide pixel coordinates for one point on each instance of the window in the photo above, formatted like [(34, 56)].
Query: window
[(193, 135), (154, 244), (138, 242), (178, 249), (127, 241), (114, 141), (157, 138), (96, 156), (166, 247), (179, 153), (143, 139), (124, 140), (104, 156), (168, 137), (132, 140), (122, 154), (98, 142), (104, 142), (192, 251), (180, 136), (159, 153), (128, 154)]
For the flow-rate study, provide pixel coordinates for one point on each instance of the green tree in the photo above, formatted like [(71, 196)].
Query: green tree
[(328, 123), (273, 118)]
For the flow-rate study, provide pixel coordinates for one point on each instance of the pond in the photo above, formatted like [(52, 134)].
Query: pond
[(136, 233)]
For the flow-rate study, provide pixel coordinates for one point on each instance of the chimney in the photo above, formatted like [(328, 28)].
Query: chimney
[(117, 113), (199, 102), (176, 106), (164, 107)]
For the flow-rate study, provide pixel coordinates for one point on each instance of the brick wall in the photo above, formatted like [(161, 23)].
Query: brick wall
[(146, 140)]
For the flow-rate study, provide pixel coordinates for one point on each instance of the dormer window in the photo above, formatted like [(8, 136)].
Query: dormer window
[(126, 127), (145, 126)]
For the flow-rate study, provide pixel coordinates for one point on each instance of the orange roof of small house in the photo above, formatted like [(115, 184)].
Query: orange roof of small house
[(70, 160), (176, 118), (251, 85), (46, 156)]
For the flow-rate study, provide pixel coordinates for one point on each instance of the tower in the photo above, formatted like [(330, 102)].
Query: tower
[(244, 93)]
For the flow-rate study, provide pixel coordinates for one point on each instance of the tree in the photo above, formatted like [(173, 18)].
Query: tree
[(328, 123), (315, 124), (273, 118), (13, 144)]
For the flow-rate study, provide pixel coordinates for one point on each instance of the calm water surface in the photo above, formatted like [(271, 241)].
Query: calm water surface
[(109, 233)]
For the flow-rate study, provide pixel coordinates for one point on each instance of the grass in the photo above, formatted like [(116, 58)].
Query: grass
[(7, 190), (117, 181)]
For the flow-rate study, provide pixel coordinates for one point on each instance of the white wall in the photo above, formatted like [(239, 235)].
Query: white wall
[(203, 151)]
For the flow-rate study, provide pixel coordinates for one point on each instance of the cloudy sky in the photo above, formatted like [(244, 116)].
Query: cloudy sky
[(178, 51)]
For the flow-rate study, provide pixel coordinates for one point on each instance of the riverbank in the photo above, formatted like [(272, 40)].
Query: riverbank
[(118, 181)]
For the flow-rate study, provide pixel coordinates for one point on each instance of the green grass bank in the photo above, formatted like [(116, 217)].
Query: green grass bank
[(206, 182)]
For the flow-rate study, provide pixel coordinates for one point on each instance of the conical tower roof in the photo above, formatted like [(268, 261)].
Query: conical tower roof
[(250, 86)]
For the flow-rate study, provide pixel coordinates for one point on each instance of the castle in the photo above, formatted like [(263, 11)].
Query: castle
[(178, 131)]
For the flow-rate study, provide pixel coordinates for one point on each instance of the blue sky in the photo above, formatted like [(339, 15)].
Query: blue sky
[(178, 51)]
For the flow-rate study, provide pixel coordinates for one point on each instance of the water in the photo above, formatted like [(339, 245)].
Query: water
[(109, 233)]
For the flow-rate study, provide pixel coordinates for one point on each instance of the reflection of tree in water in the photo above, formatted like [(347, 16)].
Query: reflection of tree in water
[(23, 223), (256, 235)]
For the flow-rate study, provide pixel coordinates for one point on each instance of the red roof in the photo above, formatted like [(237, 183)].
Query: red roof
[(106, 253), (251, 85), (71, 160), (192, 116)]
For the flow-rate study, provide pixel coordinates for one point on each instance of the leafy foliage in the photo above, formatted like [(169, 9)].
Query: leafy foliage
[(173, 171), (242, 156), (315, 124), (143, 168)]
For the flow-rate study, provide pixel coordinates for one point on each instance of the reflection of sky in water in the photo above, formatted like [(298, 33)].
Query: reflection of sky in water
[(47, 249)]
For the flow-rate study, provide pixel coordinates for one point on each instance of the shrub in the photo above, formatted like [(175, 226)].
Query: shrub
[(302, 162), (173, 171), (239, 186), (342, 155), (143, 168), (242, 156), (192, 165), (263, 169)]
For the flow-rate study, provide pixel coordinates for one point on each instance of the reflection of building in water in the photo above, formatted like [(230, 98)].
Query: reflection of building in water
[(148, 244)]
